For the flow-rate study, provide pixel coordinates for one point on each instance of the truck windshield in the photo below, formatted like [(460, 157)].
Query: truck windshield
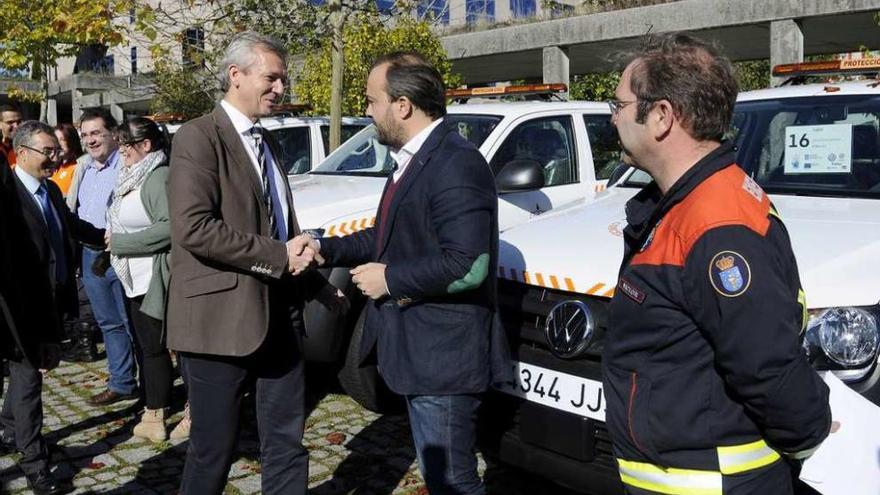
[(809, 146), (363, 155)]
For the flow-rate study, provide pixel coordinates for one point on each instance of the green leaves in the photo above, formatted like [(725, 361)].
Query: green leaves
[(48, 30), (366, 37)]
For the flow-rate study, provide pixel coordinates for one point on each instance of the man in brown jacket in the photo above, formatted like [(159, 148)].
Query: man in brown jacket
[(234, 310)]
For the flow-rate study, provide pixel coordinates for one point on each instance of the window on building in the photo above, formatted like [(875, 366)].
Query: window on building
[(134, 60), (385, 6), (93, 58), (559, 9), (480, 11), (522, 8), (434, 10), (193, 48)]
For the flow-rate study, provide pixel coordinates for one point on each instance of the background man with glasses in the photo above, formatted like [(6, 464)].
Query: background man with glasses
[(50, 228), (89, 196)]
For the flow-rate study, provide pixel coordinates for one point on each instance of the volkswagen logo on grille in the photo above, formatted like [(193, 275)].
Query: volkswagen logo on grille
[(569, 328)]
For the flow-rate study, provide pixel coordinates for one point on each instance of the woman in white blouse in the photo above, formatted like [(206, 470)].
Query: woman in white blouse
[(139, 239)]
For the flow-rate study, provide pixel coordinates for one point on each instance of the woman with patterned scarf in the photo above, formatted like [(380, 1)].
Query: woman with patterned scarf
[(139, 240)]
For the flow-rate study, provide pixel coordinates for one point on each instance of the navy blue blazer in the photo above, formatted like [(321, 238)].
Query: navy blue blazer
[(438, 332)]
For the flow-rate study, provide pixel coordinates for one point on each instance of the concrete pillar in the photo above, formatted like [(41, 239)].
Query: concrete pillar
[(52, 111), (457, 12), (786, 45), (75, 104), (556, 65), (117, 112), (502, 10)]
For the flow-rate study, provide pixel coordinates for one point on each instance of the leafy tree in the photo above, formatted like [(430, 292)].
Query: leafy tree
[(38, 35), (752, 74), (182, 90), (594, 87), (365, 39)]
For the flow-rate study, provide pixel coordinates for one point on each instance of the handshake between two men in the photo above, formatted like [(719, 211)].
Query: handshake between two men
[(304, 252)]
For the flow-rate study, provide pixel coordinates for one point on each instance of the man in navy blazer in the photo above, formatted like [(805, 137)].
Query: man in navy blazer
[(429, 266)]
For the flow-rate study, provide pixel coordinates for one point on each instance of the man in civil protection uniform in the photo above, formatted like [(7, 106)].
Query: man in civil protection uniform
[(708, 388)]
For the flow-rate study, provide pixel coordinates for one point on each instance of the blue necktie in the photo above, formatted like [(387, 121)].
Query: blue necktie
[(55, 238)]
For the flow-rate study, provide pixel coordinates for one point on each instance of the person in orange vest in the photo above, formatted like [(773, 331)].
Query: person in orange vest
[(68, 137), (10, 117)]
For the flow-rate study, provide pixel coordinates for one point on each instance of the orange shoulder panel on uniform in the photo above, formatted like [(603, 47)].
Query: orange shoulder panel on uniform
[(728, 197), (64, 176)]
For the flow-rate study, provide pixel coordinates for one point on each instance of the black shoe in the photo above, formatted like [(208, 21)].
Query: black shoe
[(7, 446), (84, 348), (43, 482)]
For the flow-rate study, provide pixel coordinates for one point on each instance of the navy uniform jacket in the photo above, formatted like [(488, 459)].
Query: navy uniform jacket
[(438, 332), (704, 348)]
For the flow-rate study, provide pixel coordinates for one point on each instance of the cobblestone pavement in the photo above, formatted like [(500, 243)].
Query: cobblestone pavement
[(353, 451)]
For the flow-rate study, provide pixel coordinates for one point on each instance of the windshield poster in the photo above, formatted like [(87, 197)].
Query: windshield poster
[(818, 149)]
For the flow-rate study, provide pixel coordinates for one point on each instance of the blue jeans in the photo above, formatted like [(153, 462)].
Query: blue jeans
[(444, 429), (107, 298)]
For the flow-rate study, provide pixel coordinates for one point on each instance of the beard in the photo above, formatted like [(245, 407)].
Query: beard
[(390, 135)]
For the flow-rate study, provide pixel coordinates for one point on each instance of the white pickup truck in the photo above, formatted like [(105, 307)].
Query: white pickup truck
[(543, 154), (815, 149)]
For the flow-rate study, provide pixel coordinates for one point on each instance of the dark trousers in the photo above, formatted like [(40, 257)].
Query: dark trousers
[(22, 415), (155, 362), (444, 429), (216, 386)]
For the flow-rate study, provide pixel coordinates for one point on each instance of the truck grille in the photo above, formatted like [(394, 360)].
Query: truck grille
[(524, 310)]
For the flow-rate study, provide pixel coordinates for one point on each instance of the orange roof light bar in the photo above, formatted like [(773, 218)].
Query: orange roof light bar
[(507, 90), (847, 66), (164, 118)]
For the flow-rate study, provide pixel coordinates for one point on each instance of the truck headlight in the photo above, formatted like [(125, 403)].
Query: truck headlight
[(848, 338)]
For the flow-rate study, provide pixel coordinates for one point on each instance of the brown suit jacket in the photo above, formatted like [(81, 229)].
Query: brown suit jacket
[(223, 259)]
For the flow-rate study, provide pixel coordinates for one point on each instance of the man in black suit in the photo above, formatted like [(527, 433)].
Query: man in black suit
[(49, 227), (429, 267)]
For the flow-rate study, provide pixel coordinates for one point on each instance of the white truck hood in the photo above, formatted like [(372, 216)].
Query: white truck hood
[(576, 248), (319, 199), (836, 242), (579, 249)]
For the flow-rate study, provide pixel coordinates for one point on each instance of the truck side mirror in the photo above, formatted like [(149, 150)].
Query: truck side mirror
[(520, 175)]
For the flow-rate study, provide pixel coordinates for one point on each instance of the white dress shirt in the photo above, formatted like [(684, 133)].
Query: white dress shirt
[(405, 154), (243, 126)]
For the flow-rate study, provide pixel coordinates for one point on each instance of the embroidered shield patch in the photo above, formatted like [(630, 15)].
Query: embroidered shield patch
[(729, 273)]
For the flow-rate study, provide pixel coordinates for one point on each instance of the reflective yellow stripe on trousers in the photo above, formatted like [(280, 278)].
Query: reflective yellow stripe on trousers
[(673, 481), (741, 458), (670, 480)]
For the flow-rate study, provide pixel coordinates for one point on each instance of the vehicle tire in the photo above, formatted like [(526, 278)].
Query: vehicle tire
[(363, 383)]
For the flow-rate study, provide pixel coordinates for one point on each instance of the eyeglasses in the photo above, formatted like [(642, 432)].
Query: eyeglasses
[(132, 143), (617, 105), (49, 153), (93, 134)]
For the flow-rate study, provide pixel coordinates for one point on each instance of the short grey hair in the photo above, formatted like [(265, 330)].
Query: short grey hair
[(26, 131), (241, 52)]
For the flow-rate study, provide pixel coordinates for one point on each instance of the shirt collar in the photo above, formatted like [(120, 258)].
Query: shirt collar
[(415, 144), (30, 182), (240, 121), (110, 163)]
